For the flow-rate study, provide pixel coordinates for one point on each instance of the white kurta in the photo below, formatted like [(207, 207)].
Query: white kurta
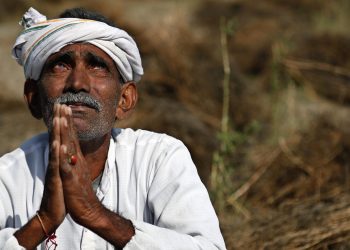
[(149, 178)]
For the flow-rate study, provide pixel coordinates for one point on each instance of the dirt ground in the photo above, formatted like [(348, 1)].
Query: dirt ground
[(285, 176)]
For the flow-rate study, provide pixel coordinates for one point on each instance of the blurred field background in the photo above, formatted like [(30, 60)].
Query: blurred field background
[(259, 91)]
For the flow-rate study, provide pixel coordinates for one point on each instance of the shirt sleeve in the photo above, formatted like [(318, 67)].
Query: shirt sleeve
[(7, 240), (184, 217)]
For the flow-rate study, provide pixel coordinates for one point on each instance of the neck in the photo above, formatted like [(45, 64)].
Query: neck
[(95, 152)]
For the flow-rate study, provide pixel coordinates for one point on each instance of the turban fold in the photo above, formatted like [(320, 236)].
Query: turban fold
[(41, 38)]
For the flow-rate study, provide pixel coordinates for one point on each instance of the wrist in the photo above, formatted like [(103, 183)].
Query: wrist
[(113, 228), (50, 237), (47, 223), (90, 216), (34, 232)]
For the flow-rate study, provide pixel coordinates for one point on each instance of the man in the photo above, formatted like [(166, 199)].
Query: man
[(85, 184)]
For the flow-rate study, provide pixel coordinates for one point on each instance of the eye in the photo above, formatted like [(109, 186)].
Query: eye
[(99, 69), (59, 67), (98, 66)]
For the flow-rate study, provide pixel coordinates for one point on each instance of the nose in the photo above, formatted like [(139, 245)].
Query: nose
[(78, 80)]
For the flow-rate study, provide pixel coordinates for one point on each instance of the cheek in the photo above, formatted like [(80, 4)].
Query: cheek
[(51, 88), (107, 91)]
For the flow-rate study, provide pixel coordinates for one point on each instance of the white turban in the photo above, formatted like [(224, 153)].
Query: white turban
[(41, 38)]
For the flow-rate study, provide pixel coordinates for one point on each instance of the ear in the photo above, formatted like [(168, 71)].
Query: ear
[(127, 101), (31, 96)]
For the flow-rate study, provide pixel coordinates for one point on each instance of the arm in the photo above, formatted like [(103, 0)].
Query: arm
[(80, 199), (183, 215), (52, 209)]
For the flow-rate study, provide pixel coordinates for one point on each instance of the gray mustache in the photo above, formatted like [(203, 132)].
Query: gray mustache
[(81, 97)]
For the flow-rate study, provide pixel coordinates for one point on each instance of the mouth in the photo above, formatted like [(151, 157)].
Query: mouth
[(79, 110), (78, 105)]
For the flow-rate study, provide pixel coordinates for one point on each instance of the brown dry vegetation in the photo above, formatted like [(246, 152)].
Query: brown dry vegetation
[(286, 170)]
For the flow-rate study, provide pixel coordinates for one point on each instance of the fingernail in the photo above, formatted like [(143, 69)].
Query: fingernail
[(55, 120), (54, 144), (64, 149)]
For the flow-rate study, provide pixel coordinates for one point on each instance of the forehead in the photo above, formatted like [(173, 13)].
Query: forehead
[(81, 50)]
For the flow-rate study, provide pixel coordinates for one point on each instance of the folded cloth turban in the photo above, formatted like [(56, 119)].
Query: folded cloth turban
[(41, 38)]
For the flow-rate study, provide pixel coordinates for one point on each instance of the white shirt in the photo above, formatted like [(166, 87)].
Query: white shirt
[(148, 178)]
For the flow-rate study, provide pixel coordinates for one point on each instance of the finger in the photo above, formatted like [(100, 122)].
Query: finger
[(68, 147), (53, 167), (53, 133), (72, 132), (67, 138), (55, 141), (64, 166)]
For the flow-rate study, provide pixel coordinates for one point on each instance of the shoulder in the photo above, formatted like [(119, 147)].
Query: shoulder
[(149, 151), (31, 151), (38, 141), (143, 138), (22, 174)]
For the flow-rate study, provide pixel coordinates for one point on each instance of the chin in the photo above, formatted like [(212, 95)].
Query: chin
[(86, 136), (90, 135)]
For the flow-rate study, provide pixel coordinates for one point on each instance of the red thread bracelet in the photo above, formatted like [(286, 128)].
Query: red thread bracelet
[(51, 238)]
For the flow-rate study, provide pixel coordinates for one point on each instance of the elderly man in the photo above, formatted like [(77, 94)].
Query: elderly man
[(85, 184)]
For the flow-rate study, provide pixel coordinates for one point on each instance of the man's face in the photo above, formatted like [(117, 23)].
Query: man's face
[(85, 78)]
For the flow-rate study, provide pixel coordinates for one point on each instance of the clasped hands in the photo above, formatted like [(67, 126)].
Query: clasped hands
[(68, 186)]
